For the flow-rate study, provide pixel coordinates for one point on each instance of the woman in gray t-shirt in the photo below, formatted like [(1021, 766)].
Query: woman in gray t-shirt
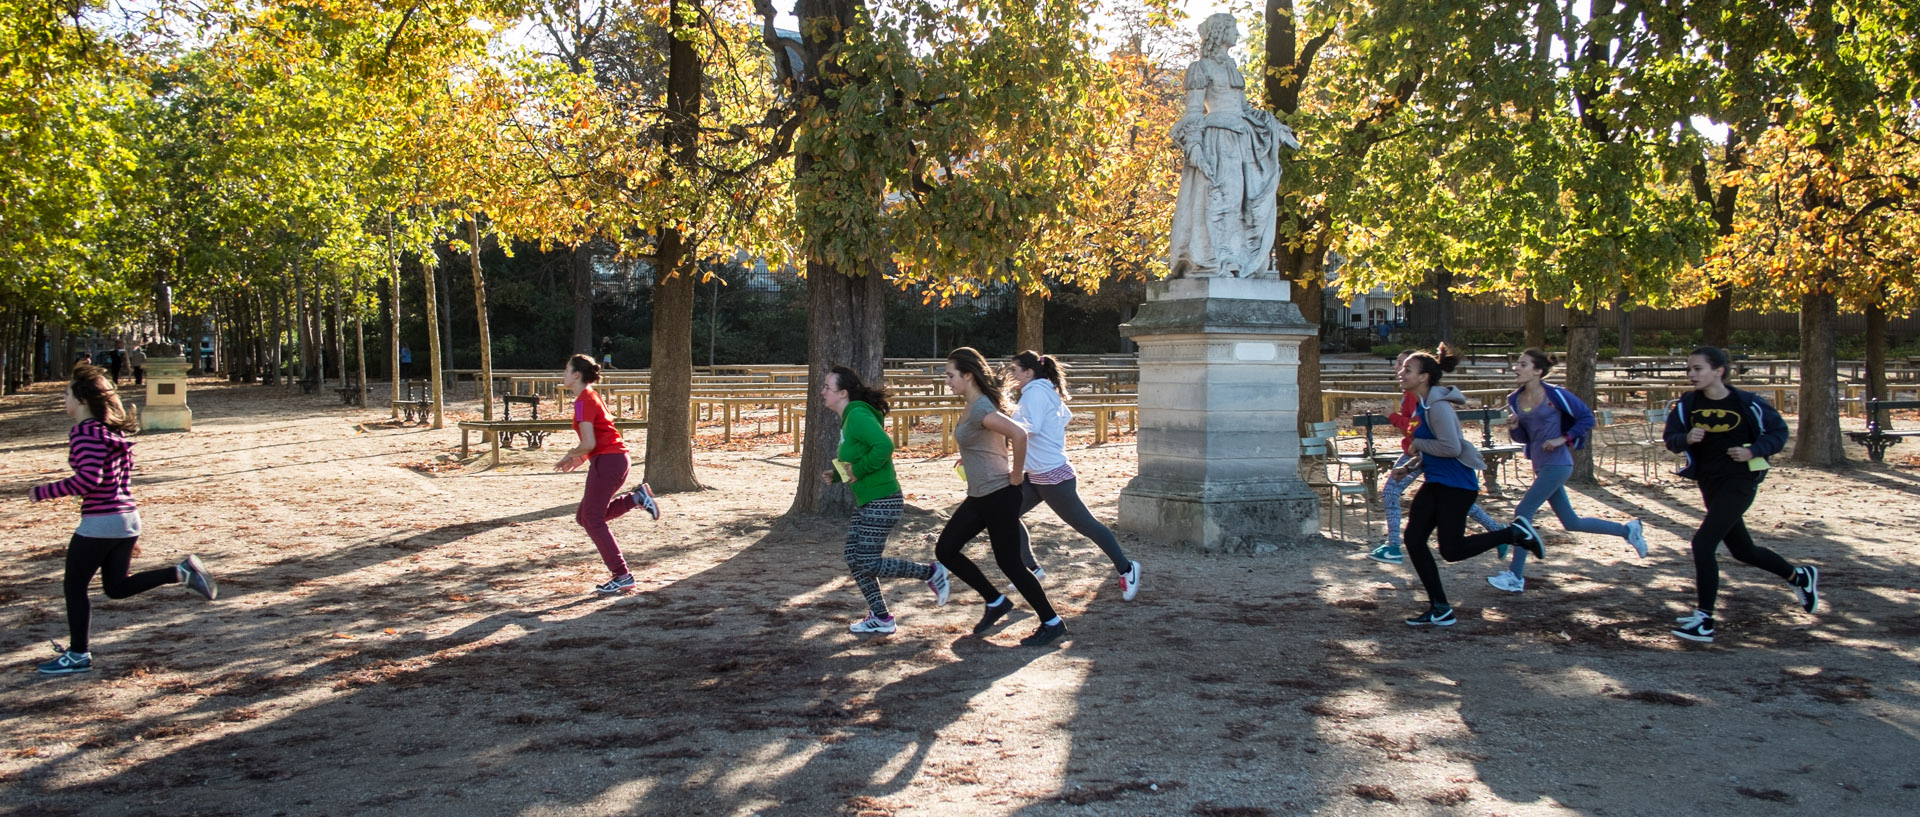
[(985, 433)]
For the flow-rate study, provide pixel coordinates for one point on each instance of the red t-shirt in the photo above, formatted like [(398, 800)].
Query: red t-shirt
[(588, 408)]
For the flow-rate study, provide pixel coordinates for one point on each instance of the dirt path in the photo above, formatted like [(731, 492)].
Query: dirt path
[(393, 640)]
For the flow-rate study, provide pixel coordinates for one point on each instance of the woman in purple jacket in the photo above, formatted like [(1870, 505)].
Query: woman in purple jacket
[(1551, 422), (109, 534)]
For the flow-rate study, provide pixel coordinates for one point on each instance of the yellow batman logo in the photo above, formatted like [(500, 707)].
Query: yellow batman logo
[(1715, 420)]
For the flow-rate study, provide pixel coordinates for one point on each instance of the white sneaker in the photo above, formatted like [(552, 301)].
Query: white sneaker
[(1508, 582), (1637, 537), (941, 584), (871, 625), (1130, 583)]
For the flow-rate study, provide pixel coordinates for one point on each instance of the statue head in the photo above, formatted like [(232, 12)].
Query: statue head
[(1218, 33)]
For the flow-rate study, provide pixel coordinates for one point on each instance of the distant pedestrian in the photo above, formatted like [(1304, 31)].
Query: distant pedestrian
[(406, 360), (607, 467), (606, 352), (109, 533), (116, 361), (138, 359)]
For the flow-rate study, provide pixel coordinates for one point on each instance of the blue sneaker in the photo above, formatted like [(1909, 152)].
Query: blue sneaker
[(619, 586), (194, 575), (643, 498), (69, 663), (1388, 554)]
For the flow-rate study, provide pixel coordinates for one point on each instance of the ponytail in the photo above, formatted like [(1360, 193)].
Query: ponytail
[(1435, 363), (1046, 368), (91, 387)]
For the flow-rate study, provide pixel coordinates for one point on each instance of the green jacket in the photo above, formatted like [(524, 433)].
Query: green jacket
[(866, 447)]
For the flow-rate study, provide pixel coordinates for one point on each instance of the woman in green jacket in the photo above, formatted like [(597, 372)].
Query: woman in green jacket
[(865, 463)]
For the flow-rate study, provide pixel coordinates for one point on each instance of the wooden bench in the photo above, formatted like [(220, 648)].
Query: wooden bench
[(411, 406), (1880, 434), (498, 428)]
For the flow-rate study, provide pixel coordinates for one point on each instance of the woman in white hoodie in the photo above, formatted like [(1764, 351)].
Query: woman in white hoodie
[(1050, 478), (1452, 486)]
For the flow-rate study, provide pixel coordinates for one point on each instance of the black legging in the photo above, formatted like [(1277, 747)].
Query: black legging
[(1443, 508), (1727, 500), (998, 514), (110, 558), (1064, 499)]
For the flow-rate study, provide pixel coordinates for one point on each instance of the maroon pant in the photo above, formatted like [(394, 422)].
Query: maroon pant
[(603, 501)]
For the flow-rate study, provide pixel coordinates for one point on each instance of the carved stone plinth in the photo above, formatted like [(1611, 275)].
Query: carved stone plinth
[(166, 408)]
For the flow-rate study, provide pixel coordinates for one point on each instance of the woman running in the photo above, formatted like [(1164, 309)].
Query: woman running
[(865, 462), (1050, 478), (607, 466), (1441, 503), (109, 533), (1405, 470), (1727, 435), (1552, 423), (993, 498)]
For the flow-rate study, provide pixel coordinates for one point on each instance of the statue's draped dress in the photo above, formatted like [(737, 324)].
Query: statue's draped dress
[(1223, 220)]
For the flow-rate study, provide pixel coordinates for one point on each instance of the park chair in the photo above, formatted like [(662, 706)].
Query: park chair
[(1315, 455)]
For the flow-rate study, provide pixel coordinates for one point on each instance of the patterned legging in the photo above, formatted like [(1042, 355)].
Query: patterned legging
[(867, 534)]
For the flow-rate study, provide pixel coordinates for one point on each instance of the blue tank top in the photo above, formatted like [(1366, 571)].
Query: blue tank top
[(1443, 470)]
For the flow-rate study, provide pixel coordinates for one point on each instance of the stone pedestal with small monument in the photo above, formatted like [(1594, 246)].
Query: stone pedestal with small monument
[(166, 408), (1219, 441)]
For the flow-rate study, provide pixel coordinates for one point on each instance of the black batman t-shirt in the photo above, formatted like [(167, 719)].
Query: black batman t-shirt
[(1726, 426)]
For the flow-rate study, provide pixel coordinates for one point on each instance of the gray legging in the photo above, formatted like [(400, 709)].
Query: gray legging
[(1064, 499)]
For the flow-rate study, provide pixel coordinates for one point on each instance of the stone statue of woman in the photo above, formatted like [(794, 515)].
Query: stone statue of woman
[(1223, 221)]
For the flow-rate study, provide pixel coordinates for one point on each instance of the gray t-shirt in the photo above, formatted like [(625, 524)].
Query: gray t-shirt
[(982, 452)]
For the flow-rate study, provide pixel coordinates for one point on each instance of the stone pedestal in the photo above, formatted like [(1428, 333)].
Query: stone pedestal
[(166, 408), (1219, 440)]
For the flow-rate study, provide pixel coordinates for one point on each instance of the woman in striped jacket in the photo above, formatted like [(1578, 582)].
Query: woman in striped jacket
[(109, 533)]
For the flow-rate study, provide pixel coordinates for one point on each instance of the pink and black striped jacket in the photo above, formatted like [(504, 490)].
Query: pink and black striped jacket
[(102, 463)]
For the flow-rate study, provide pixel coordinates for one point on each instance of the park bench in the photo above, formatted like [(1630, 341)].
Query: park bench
[(349, 393), (308, 385), (1880, 434), (495, 429), (534, 437), (414, 407)]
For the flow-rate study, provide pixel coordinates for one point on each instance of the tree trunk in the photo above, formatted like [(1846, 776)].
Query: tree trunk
[(669, 456), (1877, 351), (1310, 295), (484, 386), (846, 325), (1583, 358), (340, 335), (393, 315), (360, 340), (1127, 311), (580, 281), (1030, 322), (444, 357), (1818, 441), (1536, 322), (1443, 301), (1623, 322), (1717, 324), (428, 261)]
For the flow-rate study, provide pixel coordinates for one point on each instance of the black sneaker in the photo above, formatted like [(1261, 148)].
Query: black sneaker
[(195, 576), (1047, 634), (69, 663), (992, 616), (1528, 538), (1435, 616), (1696, 627), (1806, 585)]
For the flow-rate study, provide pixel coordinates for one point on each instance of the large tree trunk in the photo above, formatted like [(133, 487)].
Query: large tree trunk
[(444, 356), (1718, 322), (1818, 441), (1536, 311), (669, 459), (1301, 257), (1877, 351), (484, 385), (1716, 326), (846, 325), (1030, 322), (1443, 303), (359, 341), (580, 282), (428, 261), (1583, 358), (1623, 322), (393, 315)]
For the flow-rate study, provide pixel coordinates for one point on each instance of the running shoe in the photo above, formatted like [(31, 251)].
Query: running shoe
[(1130, 582), (195, 576), (941, 584), (1435, 616), (1505, 580), (993, 614), (872, 625), (615, 587), (1388, 554), (1637, 537), (1529, 538), (1806, 586), (69, 663), (1696, 627), (1047, 634), (643, 498)]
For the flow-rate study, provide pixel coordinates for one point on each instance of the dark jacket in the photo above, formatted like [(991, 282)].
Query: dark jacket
[(1766, 435)]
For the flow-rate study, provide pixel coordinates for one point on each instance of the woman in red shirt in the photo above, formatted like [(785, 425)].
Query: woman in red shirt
[(607, 466)]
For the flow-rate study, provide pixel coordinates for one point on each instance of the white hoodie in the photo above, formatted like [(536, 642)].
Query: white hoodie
[(1045, 417)]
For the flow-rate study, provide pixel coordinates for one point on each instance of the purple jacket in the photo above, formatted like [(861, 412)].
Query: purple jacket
[(1576, 419)]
